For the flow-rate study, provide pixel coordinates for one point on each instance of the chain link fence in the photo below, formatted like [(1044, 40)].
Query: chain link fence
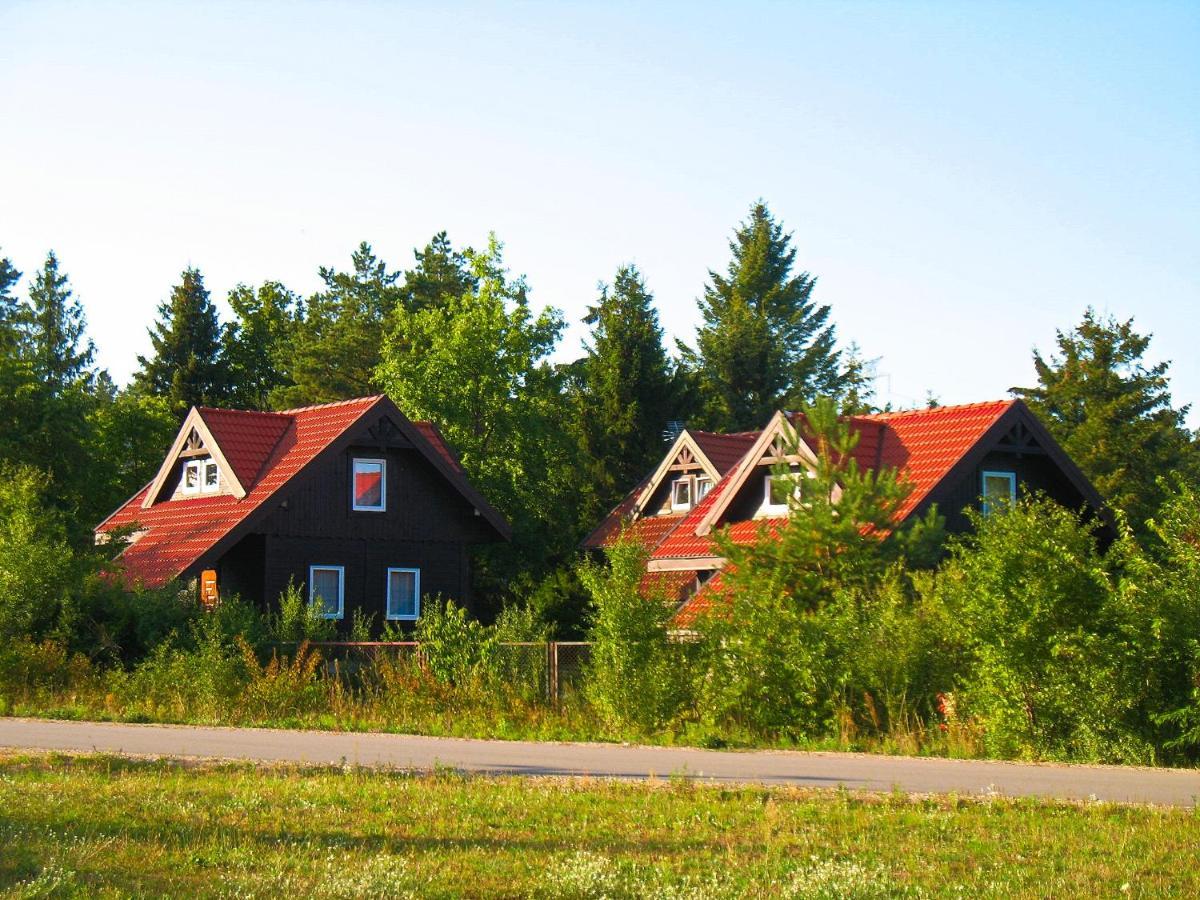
[(534, 670)]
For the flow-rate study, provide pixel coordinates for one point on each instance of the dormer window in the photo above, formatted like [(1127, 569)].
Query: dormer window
[(369, 485), (681, 493), (778, 491), (703, 486), (201, 476)]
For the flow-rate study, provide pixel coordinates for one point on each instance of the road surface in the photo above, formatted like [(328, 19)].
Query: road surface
[(1176, 787)]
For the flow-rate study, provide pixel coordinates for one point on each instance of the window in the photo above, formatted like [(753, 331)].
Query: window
[(201, 476), (999, 490), (326, 586), (370, 485), (403, 594), (777, 489), (681, 493), (703, 486)]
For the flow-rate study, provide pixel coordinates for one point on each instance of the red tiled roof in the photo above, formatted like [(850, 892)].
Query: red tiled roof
[(669, 585), (683, 542), (711, 593), (265, 456), (724, 450), (924, 444)]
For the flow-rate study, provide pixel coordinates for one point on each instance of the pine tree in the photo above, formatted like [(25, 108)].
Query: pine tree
[(53, 326), (9, 307), (1113, 414), (186, 367), (441, 273), (257, 342), (337, 342), (764, 343), (627, 391)]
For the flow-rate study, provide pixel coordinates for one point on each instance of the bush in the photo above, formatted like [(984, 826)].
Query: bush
[(1051, 668), (453, 644), (38, 569), (636, 677)]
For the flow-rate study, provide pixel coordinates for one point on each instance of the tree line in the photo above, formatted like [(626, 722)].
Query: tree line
[(455, 338)]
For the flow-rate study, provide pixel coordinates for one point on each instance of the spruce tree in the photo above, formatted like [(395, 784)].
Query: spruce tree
[(441, 274), (257, 342), (186, 367), (9, 307), (1113, 414), (764, 342), (53, 326), (336, 345), (626, 389)]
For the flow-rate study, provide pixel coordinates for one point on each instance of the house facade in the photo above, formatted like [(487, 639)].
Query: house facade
[(954, 457), (360, 506)]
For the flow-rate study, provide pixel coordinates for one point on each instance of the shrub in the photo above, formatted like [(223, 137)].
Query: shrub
[(1046, 630), (38, 569), (284, 686), (453, 644), (636, 676), (298, 620)]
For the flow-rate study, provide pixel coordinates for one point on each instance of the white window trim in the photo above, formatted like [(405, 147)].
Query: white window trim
[(197, 466), (769, 509), (416, 594), (341, 606), (1011, 477), (204, 477), (706, 480), (382, 507), (686, 479)]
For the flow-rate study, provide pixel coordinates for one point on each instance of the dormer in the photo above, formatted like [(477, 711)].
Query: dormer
[(682, 480), (196, 465)]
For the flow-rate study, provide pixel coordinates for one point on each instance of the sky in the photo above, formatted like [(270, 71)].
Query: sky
[(963, 178)]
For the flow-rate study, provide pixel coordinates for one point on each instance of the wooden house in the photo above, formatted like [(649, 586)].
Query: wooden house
[(352, 501), (957, 457)]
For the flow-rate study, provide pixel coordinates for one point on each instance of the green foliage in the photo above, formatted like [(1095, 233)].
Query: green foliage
[(1112, 413), (38, 569), (764, 344), (453, 644), (186, 368), (636, 676), (335, 342), (298, 620), (1051, 671), (256, 344), (482, 374), (441, 274), (626, 391), (361, 625), (53, 330), (10, 309), (129, 435)]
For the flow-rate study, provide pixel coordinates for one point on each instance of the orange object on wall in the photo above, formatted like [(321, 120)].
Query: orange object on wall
[(209, 595)]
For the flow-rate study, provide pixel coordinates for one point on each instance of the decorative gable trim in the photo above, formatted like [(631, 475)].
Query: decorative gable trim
[(685, 452), (773, 446), (194, 437)]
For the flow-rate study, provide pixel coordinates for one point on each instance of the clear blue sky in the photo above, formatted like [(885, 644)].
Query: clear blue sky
[(963, 178)]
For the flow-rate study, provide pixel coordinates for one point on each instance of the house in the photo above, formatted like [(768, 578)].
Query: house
[(957, 457), (363, 508)]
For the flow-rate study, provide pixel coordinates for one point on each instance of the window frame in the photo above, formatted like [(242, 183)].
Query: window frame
[(196, 465), (354, 505), (207, 464), (984, 475), (682, 481), (387, 599), (772, 510), (700, 495), (341, 604)]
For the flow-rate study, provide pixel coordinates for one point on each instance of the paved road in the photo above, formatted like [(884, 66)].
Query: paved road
[(1175, 787)]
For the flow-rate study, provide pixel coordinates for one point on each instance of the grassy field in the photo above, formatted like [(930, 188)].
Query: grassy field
[(91, 826)]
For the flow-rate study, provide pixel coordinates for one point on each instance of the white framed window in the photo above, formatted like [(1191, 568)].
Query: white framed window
[(999, 490), (368, 487), (192, 476), (327, 589), (201, 476), (681, 493), (703, 486), (778, 491), (403, 594)]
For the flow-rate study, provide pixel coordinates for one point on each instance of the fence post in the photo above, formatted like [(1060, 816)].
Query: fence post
[(552, 652)]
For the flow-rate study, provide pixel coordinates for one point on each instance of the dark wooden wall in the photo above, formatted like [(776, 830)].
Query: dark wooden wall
[(427, 525)]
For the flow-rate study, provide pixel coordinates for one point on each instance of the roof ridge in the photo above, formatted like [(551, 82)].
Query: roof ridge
[(951, 407), (241, 412), (299, 409)]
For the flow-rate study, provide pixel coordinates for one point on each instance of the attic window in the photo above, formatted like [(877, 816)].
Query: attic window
[(999, 490), (681, 493), (201, 476), (369, 488), (778, 490), (703, 486)]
